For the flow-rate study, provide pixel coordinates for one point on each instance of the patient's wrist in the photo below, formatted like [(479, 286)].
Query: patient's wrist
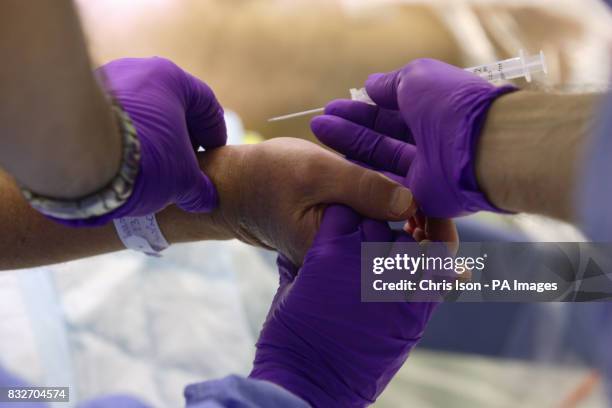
[(179, 226), (221, 166)]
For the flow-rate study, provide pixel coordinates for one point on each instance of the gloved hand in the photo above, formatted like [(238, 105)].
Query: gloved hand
[(174, 113), (426, 127), (319, 340)]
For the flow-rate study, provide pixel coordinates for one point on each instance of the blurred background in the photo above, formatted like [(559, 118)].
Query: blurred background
[(149, 326)]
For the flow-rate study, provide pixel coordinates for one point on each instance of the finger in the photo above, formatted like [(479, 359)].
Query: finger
[(202, 197), (443, 230), (382, 89), (368, 192), (420, 219), (410, 225), (338, 220), (418, 234), (363, 144), (385, 121), (395, 177), (204, 115)]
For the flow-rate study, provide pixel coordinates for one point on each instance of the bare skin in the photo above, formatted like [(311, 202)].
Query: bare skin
[(531, 150), (58, 136), (272, 194)]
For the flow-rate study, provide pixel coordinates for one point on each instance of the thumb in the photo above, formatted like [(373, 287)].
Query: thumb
[(382, 89), (202, 197), (204, 115), (368, 192)]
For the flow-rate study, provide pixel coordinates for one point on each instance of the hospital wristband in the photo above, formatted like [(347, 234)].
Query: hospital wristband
[(141, 234)]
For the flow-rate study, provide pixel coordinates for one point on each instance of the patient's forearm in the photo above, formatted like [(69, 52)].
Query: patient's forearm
[(531, 149), (57, 133), (28, 239)]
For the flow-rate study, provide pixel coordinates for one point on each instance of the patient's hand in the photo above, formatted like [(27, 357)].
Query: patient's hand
[(273, 194), (320, 340)]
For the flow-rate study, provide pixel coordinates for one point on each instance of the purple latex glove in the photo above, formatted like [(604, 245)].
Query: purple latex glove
[(426, 127), (319, 340), (174, 113)]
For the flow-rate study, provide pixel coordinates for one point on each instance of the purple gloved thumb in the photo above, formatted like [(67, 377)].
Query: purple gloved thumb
[(382, 88), (202, 197)]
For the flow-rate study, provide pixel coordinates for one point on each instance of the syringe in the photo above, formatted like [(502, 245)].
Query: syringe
[(511, 68)]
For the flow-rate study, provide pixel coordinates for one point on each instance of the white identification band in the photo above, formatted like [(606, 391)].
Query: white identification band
[(141, 234)]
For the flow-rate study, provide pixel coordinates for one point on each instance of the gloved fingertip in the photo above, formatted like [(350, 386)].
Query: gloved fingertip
[(321, 125), (329, 128), (374, 81), (316, 123), (382, 89), (332, 131), (338, 106), (372, 78), (358, 112), (204, 197)]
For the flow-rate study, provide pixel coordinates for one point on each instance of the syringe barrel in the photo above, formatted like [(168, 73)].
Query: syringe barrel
[(522, 66)]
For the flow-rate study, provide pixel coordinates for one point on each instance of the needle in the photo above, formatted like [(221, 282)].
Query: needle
[(295, 115)]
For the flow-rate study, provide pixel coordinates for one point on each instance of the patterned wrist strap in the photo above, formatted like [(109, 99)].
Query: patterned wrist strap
[(110, 197), (141, 234)]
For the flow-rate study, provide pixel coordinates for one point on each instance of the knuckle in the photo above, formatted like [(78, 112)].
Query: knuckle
[(418, 68), (166, 71), (419, 63), (161, 64)]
